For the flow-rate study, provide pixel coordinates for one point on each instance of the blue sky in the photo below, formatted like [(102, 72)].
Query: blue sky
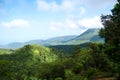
[(24, 20)]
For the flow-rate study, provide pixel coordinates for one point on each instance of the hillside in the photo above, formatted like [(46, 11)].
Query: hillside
[(6, 51), (92, 55), (33, 62), (59, 40), (30, 53), (25, 62), (68, 50), (52, 41), (90, 35)]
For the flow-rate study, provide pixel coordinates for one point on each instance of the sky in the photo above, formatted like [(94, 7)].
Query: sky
[(25, 20)]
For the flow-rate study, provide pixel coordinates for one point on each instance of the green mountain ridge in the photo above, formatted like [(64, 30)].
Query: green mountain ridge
[(59, 40), (90, 35)]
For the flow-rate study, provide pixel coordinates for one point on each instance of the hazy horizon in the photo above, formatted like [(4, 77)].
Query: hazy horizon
[(24, 20), (36, 39)]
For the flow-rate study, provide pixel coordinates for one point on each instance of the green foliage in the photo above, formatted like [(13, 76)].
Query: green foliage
[(5, 70), (111, 33), (67, 50), (58, 78), (32, 53), (91, 61), (6, 51), (29, 63), (33, 62), (37, 53), (24, 61)]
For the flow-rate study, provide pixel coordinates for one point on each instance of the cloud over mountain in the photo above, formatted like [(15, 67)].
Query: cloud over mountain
[(66, 5), (94, 22)]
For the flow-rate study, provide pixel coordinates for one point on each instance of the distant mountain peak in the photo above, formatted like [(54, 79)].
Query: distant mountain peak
[(91, 30), (89, 35)]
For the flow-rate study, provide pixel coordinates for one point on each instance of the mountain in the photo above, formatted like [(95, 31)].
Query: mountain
[(90, 35), (12, 45), (48, 42), (59, 40), (34, 42)]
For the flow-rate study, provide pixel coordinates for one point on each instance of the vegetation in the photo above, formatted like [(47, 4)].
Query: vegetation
[(111, 33), (19, 63), (37, 62), (91, 62)]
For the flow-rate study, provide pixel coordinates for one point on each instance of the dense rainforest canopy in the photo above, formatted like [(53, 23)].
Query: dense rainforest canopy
[(92, 62)]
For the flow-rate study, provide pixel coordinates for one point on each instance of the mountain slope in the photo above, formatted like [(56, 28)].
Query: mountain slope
[(87, 34), (12, 45), (52, 41), (59, 40), (91, 35)]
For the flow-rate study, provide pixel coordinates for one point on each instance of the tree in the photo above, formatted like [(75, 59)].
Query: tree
[(111, 33), (5, 70)]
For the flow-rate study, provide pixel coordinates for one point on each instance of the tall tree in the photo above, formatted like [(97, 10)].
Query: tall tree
[(111, 32)]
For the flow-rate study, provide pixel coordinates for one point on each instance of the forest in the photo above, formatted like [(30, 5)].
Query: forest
[(94, 61)]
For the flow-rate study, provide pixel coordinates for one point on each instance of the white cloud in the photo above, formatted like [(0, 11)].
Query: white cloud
[(82, 10), (16, 23), (71, 24), (79, 24), (67, 24), (53, 28), (66, 5), (76, 9), (56, 25), (72, 5), (43, 5), (94, 22), (96, 3), (100, 3)]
